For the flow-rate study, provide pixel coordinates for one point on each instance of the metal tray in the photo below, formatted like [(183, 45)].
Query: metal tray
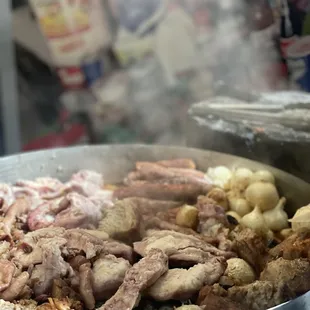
[(115, 161)]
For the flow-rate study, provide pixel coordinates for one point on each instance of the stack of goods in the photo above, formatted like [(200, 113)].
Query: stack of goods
[(169, 237)]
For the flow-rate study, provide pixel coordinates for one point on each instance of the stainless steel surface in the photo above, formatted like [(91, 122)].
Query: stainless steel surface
[(115, 161), (8, 88), (300, 303)]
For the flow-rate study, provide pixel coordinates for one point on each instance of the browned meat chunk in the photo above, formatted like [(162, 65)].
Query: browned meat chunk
[(183, 284), (260, 295), (207, 297), (176, 192), (86, 289), (108, 275), (7, 270), (171, 242), (294, 273), (252, 248), (122, 222), (295, 246), (139, 277)]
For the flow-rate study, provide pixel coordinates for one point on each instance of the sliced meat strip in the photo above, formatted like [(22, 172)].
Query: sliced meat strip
[(16, 287), (183, 284), (78, 240), (119, 249), (19, 207), (153, 171), (108, 274), (157, 223), (176, 192), (86, 289), (170, 242), (7, 270), (176, 163), (190, 256), (139, 277)]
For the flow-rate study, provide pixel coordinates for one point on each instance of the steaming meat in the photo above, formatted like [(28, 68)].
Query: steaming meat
[(108, 275), (122, 222), (183, 284), (294, 273), (171, 242), (139, 277), (74, 255)]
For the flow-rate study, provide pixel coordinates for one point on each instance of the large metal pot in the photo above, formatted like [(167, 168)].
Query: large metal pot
[(115, 161)]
